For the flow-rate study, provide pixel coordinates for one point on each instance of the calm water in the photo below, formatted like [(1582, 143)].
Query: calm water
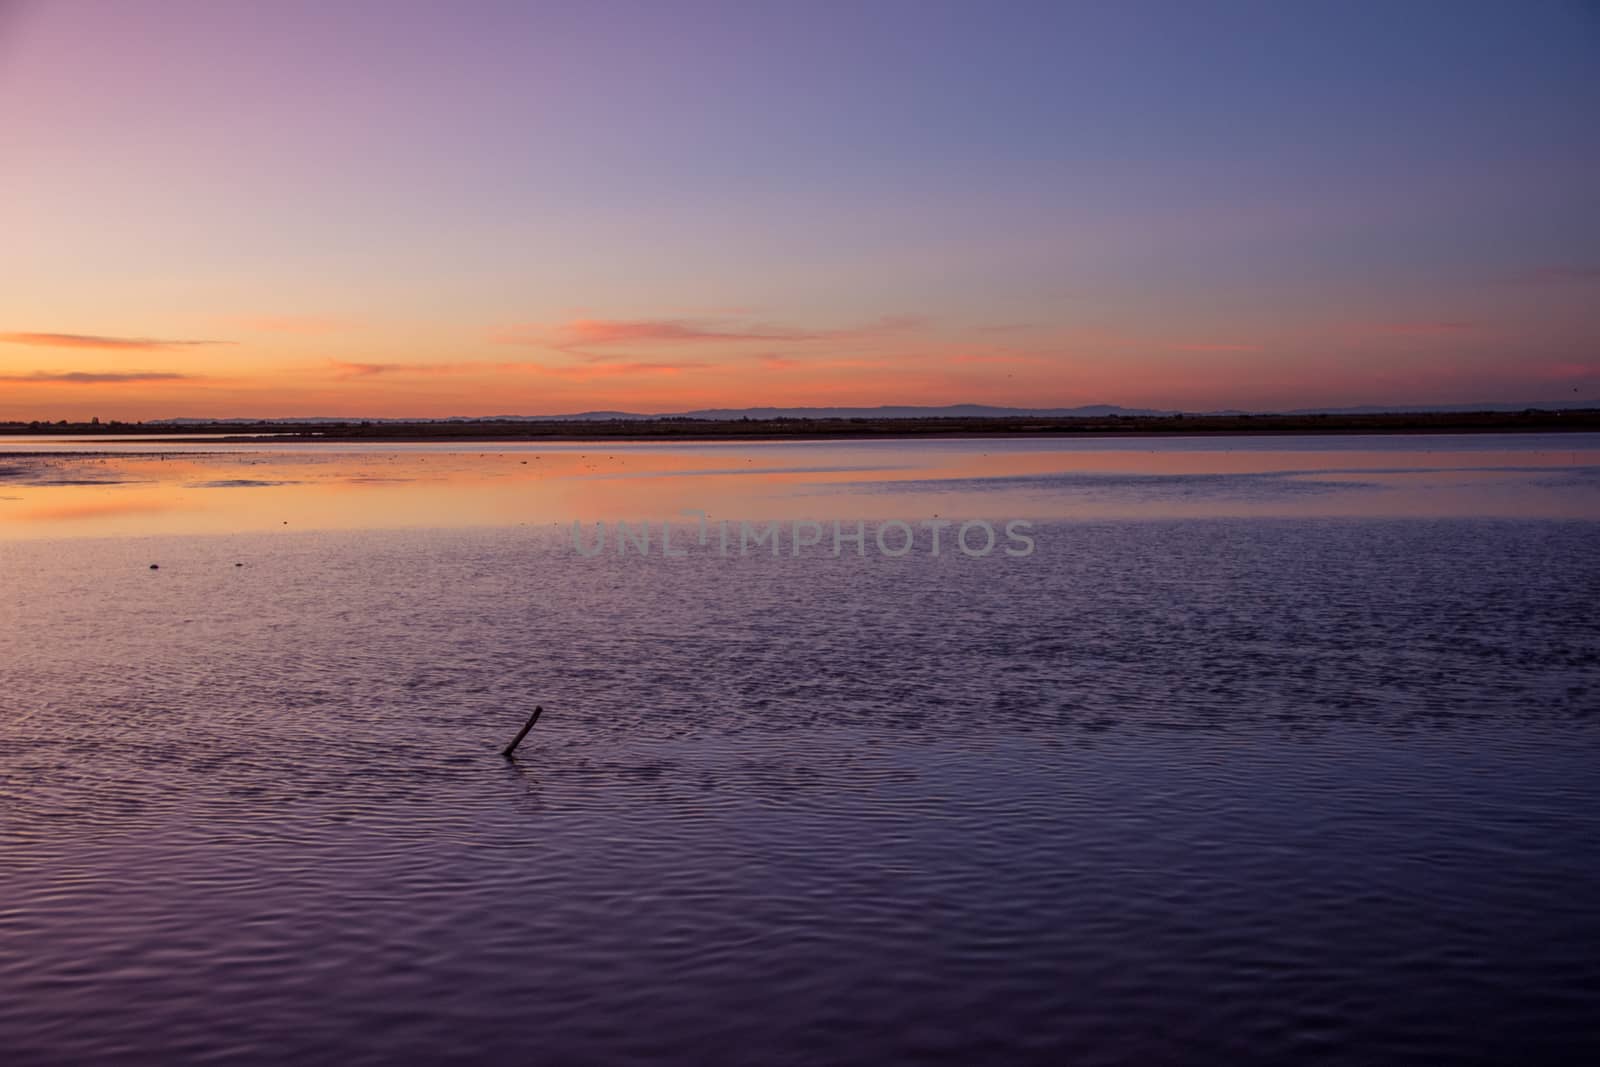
[(1270, 751)]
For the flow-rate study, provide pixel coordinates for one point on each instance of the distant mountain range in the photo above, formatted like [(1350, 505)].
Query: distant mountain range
[(948, 411)]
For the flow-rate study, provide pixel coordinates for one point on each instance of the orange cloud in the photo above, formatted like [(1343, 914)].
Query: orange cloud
[(580, 372), (1564, 371), (1218, 348), (588, 333), (79, 377), (610, 370), (1560, 274), (651, 368), (978, 357), (609, 331), (368, 370), (84, 340), (301, 324), (1424, 329)]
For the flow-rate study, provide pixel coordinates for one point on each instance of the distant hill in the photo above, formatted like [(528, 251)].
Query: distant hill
[(948, 411)]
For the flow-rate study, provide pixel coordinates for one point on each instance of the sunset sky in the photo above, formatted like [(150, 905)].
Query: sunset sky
[(219, 208)]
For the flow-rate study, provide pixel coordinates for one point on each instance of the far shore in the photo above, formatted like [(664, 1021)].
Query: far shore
[(784, 429)]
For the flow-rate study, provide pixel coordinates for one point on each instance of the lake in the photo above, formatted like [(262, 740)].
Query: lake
[(1266, 749)]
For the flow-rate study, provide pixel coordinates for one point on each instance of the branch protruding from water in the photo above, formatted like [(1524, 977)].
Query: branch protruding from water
[(515, 741)]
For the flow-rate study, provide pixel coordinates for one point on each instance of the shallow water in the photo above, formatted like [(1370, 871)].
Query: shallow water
[(1169, 790), (131, 488)]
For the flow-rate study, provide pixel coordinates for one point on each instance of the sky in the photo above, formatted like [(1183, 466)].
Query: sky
[(234, 209)]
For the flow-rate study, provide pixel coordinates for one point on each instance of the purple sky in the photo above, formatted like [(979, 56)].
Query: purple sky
[(473, 208)]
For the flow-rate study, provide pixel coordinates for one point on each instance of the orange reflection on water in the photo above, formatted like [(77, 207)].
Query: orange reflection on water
[(306, 485), (96, 510)]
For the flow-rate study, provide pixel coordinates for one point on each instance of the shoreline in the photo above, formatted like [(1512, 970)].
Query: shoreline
[(1533, 421)]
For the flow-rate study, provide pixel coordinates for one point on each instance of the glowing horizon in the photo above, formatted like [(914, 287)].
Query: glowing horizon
[(402, 210)]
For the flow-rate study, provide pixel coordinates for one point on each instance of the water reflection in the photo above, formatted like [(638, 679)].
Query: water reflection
[(123, 487)]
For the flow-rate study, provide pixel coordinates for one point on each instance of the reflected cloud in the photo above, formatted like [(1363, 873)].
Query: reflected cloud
[(237, 483), (47, 482), (105, 509), (478, 483)]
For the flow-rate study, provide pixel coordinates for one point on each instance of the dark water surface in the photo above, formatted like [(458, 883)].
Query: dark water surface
[(1216, 790), (1164, 792)]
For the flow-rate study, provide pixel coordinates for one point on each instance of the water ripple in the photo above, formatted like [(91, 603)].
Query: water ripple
[(1176, 792)]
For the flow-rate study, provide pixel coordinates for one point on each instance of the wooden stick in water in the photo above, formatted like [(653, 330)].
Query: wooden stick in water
[(515, 741)]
